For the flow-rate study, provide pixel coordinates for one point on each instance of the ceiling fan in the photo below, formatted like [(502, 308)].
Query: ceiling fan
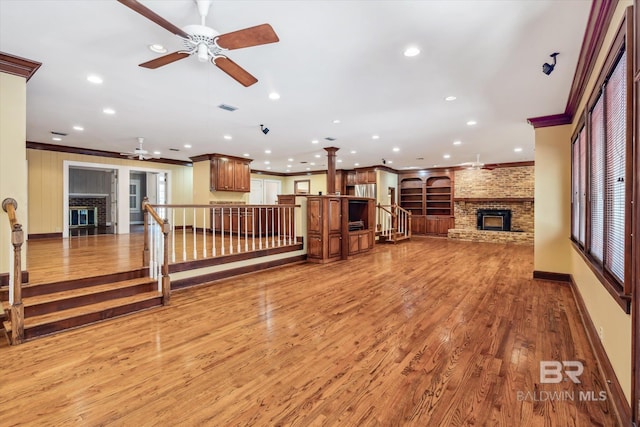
[(139, 152), (206, 43), (474, 165)]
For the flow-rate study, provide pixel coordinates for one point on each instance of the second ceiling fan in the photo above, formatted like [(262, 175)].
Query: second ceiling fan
[(206, 43)]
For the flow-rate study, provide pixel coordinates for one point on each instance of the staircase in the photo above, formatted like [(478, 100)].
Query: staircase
[(58, 306), (392, 236), (394, 224)]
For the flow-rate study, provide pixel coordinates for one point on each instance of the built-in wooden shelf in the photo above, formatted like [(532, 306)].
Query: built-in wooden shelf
[(493, 199)]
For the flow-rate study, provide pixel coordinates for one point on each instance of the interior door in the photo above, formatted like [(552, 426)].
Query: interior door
[(272, 188), (256, 196)]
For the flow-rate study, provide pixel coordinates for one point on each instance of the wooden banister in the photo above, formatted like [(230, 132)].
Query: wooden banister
[(15, 293), (165, 227)]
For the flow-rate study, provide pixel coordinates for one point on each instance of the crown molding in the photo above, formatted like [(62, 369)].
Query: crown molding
[(17, 66)]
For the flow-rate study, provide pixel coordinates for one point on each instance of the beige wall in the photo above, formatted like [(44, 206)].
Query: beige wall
[(13, 168), (46, 192), (384, 180), (553, 199), (553, 251)]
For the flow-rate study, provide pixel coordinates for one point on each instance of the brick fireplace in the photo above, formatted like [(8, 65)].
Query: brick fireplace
[(496, 192)]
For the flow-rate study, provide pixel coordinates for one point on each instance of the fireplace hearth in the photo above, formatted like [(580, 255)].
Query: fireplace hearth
[(494, 219)]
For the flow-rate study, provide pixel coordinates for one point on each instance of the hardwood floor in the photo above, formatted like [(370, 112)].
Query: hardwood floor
[(428, 332), (51, 260)]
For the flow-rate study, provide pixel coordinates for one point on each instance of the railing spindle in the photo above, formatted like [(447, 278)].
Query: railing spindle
[(260, 225), (194, 229), (279, 209), (246, 231), (239, 231), (184, 234), (253, 229), (273, 229), (213, 231), (173, 235), (204, 232), (230, 230)]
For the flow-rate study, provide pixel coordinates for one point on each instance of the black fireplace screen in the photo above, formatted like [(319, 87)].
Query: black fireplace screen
[(494, 219)]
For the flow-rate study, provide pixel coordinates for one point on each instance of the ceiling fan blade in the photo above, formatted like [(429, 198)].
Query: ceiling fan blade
[(164, 60), (241, 75), (152, 16), (252, 36)]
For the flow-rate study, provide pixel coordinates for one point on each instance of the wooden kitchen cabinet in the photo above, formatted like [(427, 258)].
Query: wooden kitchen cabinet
[(229, 173)]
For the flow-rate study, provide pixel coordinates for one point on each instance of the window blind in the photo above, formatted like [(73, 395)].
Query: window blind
[(615, 156), (583, 186), (575, 189), (597, 181)]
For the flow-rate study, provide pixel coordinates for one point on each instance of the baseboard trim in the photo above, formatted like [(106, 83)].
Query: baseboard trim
[(45, 236), (554, 277), (614, 390), (212, 277)]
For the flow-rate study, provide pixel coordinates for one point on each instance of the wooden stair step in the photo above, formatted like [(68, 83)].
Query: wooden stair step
[(78, 316), (29, 290), (56, 301)]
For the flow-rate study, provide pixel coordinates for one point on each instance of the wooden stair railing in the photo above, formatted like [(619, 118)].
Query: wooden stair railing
[(158, 250), (15, 273), (394, 223)]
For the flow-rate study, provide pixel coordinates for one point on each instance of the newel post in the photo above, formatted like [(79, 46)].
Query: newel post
[(145, 251), (17, 309), (410, 228), (166, 280)]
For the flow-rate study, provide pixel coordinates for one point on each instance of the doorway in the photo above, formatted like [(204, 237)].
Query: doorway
[(91, 201)]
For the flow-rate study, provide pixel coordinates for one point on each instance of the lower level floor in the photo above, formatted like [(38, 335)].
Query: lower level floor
[(426, 332)]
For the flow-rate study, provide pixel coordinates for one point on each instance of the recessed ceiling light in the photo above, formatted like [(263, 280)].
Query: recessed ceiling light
[(471, 123), (109, 111), (308, 169), (227, 137), (157, 48), (157, 153), (312, 163), (268, 168), (79, 128), (267, 162), (246, 154), (57, 138), (517, 150), (290, 159), (267, 151), (187, 145), (336, 121), (356, 164), (274, 95), (411, 51), (353, 151), (315, 141), (339, 160), (396, 149), (317, 156), (457, 142), (375, 137), (94, 79), (288, 166), (389, 161), (446, 156), (450, 98), (288, 170)]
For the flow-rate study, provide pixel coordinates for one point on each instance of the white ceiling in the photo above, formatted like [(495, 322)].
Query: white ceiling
[(335, 60)]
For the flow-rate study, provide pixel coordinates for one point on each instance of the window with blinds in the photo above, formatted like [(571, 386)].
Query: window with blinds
[(579, 187), (602, 178), (615, 161), (596, 244)]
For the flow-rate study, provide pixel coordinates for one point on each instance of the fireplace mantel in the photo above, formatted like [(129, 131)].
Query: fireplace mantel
[(493, 199)]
